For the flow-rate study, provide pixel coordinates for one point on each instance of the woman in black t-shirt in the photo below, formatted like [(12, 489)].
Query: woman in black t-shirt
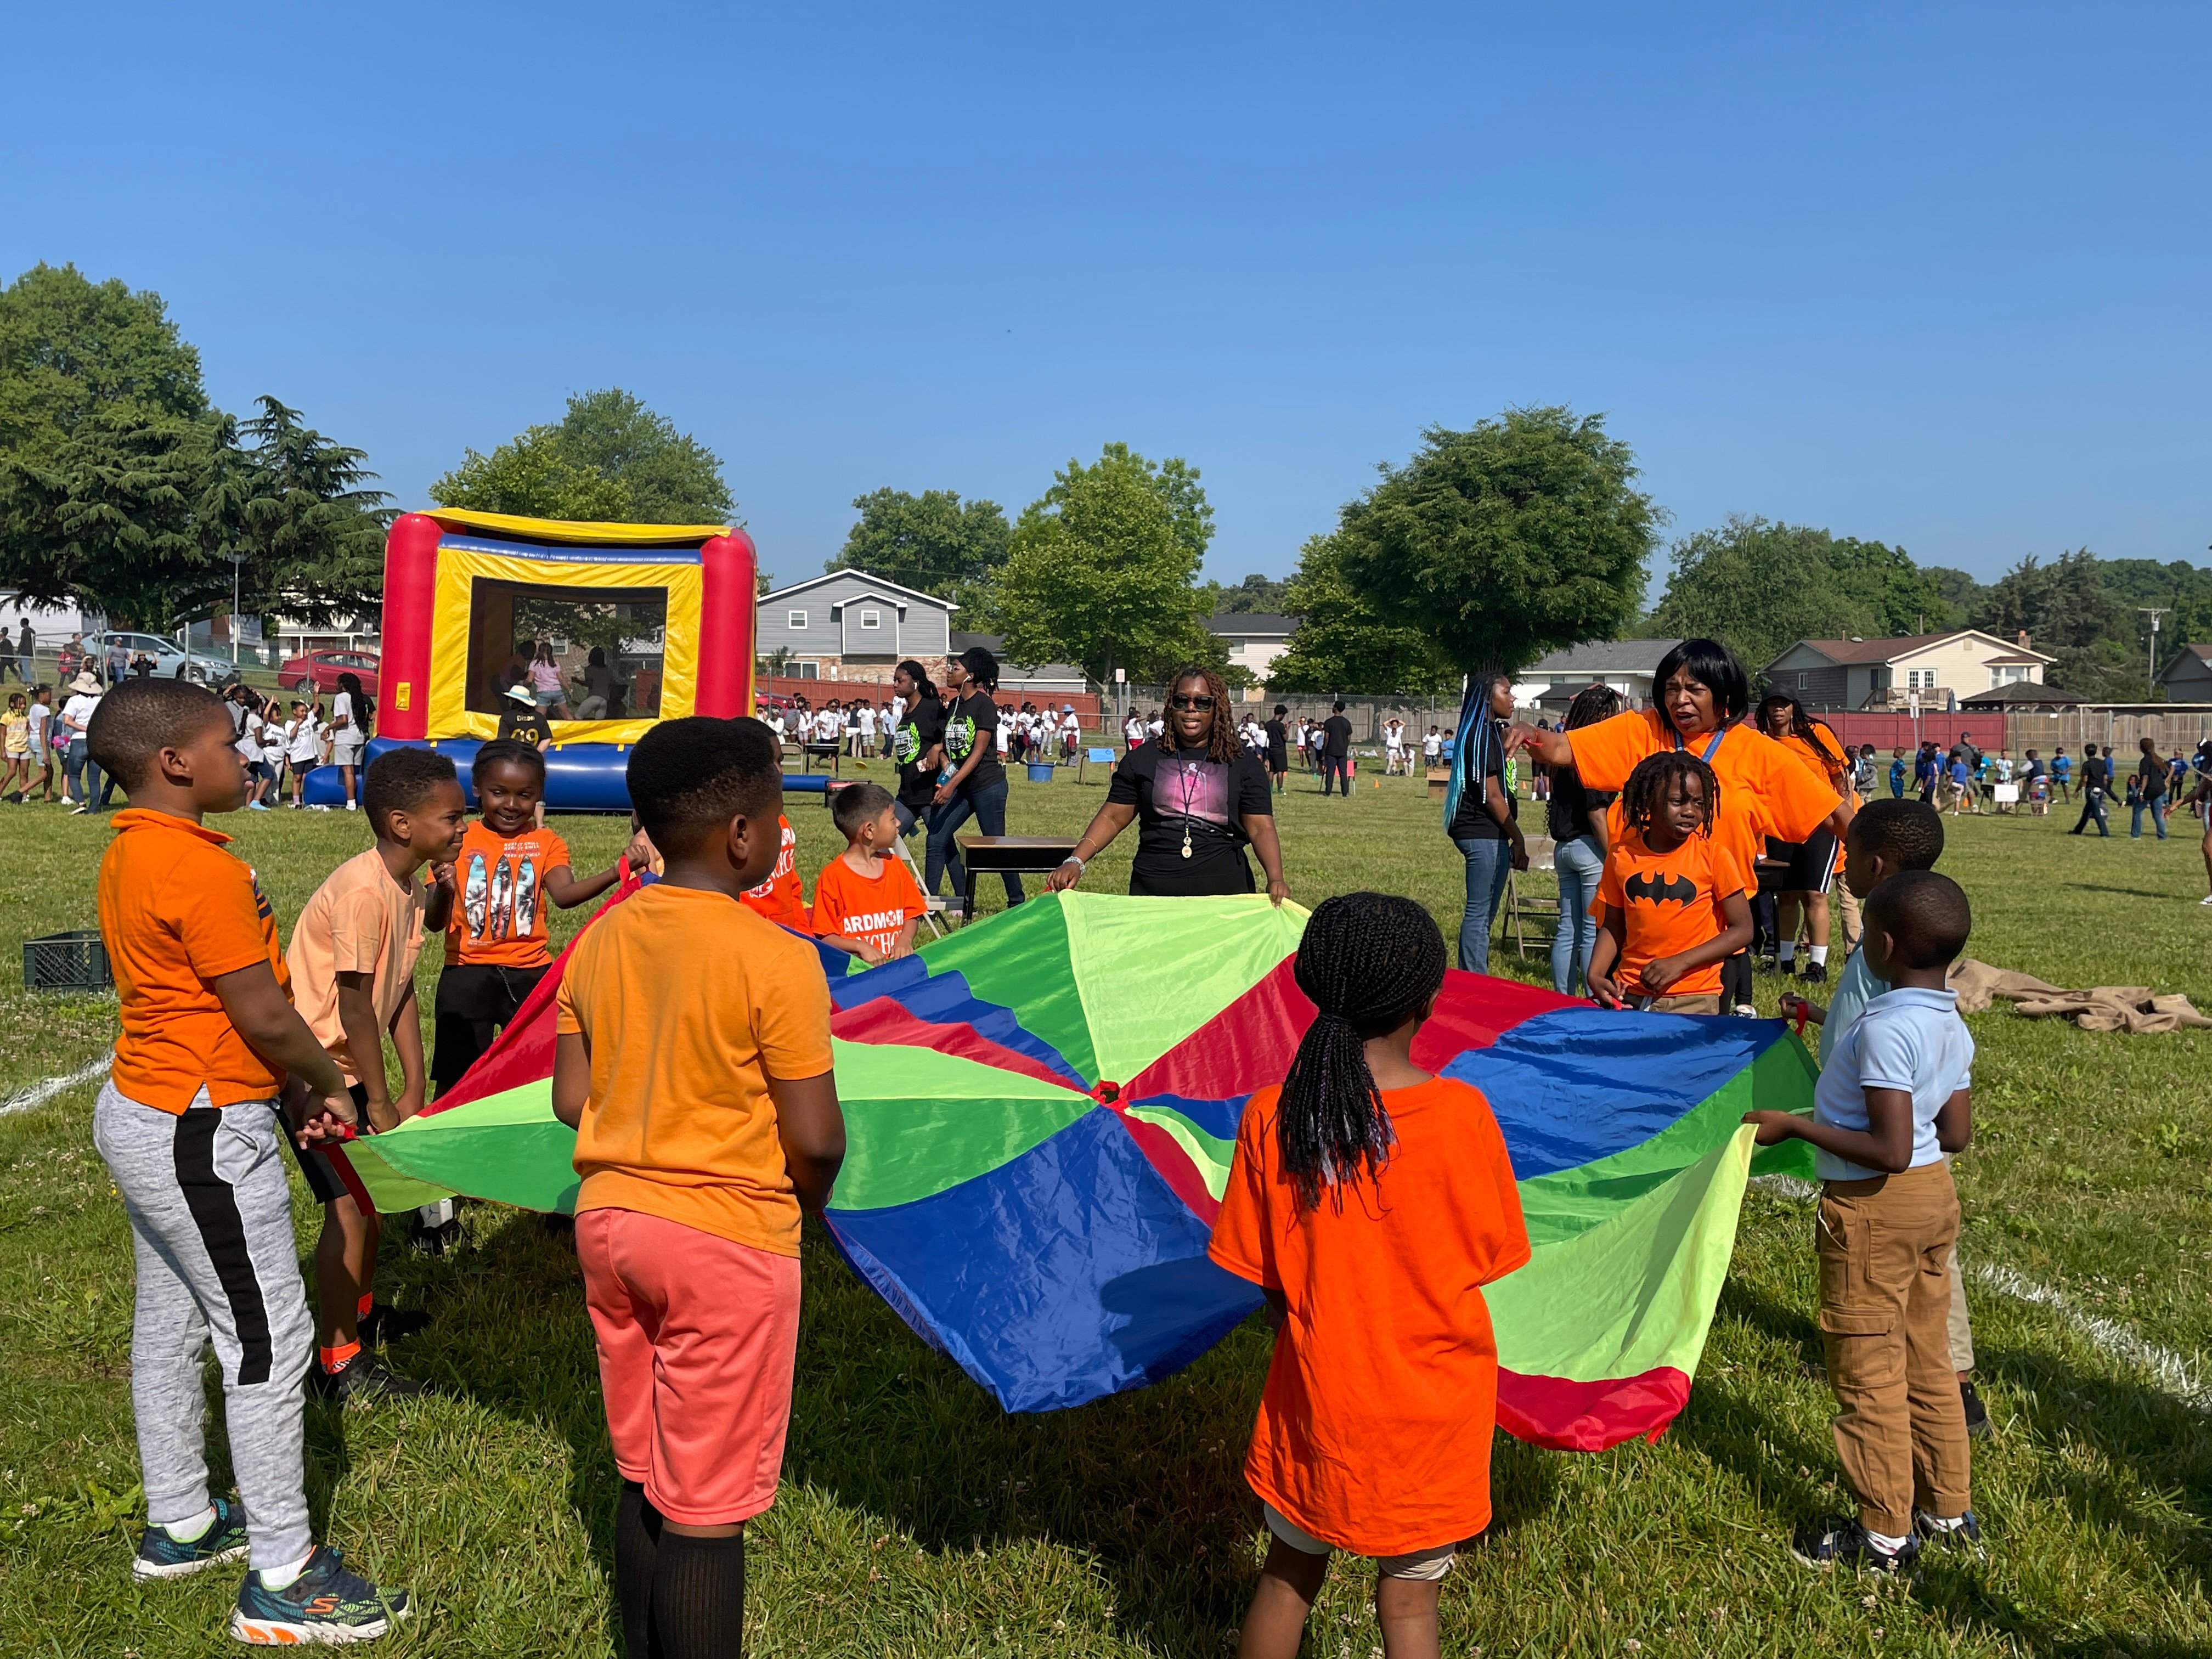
[(918, 745), (1199, 798), (977, 787), (1577, 827)]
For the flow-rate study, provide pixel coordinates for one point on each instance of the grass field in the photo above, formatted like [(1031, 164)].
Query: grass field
[(916, 1519)]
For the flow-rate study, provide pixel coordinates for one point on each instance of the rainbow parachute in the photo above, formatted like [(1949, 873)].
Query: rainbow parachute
[(1040, 1112)]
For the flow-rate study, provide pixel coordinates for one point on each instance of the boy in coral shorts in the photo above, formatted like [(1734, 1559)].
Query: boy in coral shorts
[(693, 1061)]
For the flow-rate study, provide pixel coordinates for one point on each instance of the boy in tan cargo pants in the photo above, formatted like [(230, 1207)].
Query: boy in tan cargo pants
[(1892, 1100)]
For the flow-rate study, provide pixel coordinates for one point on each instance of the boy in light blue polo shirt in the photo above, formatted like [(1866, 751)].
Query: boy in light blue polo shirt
[(1892, 1101)]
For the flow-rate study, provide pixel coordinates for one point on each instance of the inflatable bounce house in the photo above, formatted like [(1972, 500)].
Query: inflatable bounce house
[(639, 622)]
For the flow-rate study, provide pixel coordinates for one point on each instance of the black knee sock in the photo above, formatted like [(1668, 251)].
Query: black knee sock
[(637, 1540), (699, 1596)]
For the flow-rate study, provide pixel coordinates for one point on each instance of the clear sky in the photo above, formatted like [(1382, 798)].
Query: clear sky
[(1937, 276)]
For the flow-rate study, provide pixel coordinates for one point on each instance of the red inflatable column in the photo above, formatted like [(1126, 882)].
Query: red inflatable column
[(726, 626), (410, 594)]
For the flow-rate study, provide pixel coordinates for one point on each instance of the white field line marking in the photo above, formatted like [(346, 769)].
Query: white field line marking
[(39, 1093), (2168, 1369)]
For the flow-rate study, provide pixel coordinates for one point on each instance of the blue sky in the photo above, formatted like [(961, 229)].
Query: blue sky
[(1936, 276)]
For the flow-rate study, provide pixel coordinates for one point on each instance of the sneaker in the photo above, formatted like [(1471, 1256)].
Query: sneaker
[(1966, 1534), (1747, 1011), (1978, 1414), (325, 1604), (161, 1556), (2207, 899), (257, 806), (79, 811), (386, 1324), (1837, 1542), (1816, 973), (362, 1378)]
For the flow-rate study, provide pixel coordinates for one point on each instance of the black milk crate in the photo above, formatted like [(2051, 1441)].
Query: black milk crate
[(76, 961)]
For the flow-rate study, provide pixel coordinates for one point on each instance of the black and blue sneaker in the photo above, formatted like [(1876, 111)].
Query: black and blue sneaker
[(163, 1555), (1845, 1543), (1963, 1533), (325, 1604)]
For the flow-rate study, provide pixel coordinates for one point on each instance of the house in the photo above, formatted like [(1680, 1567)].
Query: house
[(2188, 678), (2025, 697), (849, 625), (1626, 666), (1883, 673), (1252, 641), (1019, 685)]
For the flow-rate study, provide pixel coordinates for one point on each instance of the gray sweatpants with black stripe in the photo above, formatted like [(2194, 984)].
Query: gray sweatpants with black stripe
[(211, 1223)]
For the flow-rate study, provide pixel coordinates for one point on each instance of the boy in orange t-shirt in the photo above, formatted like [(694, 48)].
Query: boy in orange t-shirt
[(496, 943), (693, 1061), (1672, 894), (867, 902), (1374, 1424), (780, 898), (188, 1126)]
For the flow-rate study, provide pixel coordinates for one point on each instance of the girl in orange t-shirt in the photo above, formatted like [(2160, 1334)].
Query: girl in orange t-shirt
[(1673, 894), (1370, 1201), (1812, 861)]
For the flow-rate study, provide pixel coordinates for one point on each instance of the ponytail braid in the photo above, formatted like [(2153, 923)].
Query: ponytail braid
[(1367, 960)]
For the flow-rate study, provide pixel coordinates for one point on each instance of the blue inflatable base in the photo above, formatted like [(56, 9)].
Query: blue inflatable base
[(580, 777)]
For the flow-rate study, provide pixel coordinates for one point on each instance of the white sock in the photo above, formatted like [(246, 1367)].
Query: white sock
[(350, 806), (1882, 1541), (1936, 1523), (192, 1528), (1818, 953), (278, 1578), (1788, 949)]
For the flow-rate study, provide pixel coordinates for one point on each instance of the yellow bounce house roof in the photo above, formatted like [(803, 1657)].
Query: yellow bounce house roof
[(575, 530)]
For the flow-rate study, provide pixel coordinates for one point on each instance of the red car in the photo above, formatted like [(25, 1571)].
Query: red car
[(319, 671)]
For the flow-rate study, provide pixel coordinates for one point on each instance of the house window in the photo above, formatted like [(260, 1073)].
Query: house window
[(1802, 679), (1879, 679), (794, 619), (871, 619), (1920, 679)]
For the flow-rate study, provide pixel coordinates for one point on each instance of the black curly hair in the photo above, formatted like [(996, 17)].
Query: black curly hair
[(1222, 743), (1652, 784)]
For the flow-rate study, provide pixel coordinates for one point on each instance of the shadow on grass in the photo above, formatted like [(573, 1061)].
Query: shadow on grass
[(2125, 892)]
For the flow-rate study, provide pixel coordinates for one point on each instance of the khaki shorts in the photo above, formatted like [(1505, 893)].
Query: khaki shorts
[(1426, 1565)]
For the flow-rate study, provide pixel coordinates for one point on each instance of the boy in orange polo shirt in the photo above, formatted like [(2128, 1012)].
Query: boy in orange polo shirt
[(188, 1125), (693, 1060), (867, 902), (1674, 909)]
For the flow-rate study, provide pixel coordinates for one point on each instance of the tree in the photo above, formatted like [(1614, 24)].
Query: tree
[(933, 542), (71, 349), (1255, 596), (295, 502), (1101, 567), (1497, 543), (1341, 646), (610, 460)]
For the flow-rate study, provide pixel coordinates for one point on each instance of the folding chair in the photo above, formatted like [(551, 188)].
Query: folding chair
[(1540, 910)]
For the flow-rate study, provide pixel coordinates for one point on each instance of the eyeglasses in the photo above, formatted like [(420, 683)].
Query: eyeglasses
[(1199, 704)]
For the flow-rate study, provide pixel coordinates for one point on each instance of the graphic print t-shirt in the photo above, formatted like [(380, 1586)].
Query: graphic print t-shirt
[(972, 724), (1171, 792), (499, 906), (781, 898), (1670, 903), (921, 729), (873, 910)]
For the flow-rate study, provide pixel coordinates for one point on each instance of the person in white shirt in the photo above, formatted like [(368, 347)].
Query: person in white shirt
[(1133, 729), (1433, 746), (80, 777), (1155, 725), (774, 723), (1071, 731), (303, 747), (863, 731), (1393, 746)]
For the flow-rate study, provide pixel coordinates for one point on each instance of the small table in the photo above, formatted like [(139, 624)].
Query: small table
[(1034, 855)]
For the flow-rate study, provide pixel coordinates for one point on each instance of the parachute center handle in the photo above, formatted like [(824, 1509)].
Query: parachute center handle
[(1105, 1093)]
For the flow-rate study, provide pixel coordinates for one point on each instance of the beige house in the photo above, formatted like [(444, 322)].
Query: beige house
[(1883, 673)]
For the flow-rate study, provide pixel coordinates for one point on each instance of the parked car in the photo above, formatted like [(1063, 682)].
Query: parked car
[(165, 655), (319, 671)]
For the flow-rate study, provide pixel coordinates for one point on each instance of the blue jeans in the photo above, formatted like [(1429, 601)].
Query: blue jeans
[(1579, 864), (2157, 807), (80, 773), (987, 806), (1488, 863)]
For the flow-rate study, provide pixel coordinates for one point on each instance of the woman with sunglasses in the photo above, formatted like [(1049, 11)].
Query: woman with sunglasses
[(1199, 797)]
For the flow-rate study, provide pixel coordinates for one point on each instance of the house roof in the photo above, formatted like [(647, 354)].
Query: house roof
[(1877, 651), (2202, 653), (1252, 622), (2023, 694), (844, 572), (1602, 657)]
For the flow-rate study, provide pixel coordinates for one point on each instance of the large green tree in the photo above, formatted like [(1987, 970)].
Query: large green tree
[(609, 458), (1103, 567), (1342, 646), (933, 542), (73, 351), (1499, 542), (1255, 596)]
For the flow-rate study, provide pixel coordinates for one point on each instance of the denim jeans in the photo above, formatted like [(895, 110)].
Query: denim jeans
[(2156, 808), (987, 806), (1488, 863), (2092, 809), (82, 773), (1579, 864)]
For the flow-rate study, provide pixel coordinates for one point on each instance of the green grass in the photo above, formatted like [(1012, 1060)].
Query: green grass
[(916, 1519)]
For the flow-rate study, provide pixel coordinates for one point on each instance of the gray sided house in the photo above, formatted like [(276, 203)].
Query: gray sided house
[(1626, 666), (2188, 678), (850, 617)]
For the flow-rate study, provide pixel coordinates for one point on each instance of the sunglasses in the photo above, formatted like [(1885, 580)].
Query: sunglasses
[(1201, 703)]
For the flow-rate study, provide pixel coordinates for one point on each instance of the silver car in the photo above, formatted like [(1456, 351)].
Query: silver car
[(166, 654)]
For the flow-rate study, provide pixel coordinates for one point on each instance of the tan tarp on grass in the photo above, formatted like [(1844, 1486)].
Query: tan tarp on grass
[(2130, 1008)]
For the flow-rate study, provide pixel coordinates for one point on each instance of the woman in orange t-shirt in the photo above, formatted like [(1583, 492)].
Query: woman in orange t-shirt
[(1702, 695), (1370, 1201), (1811, 862)]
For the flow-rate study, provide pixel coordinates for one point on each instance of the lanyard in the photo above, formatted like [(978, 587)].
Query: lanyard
[(1718, 733)]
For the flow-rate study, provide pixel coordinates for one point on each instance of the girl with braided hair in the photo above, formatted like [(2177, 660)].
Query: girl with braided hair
[(1199, 797), (1799, 873), (1369, 1201), (1673, 893)]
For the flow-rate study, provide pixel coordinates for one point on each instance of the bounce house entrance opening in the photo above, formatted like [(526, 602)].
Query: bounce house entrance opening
[(607, 645)]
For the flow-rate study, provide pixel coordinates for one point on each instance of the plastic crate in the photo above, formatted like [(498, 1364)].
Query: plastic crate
[(74, 961)]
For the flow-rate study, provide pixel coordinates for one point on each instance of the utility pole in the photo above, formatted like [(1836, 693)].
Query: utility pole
[(2150, 678)]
